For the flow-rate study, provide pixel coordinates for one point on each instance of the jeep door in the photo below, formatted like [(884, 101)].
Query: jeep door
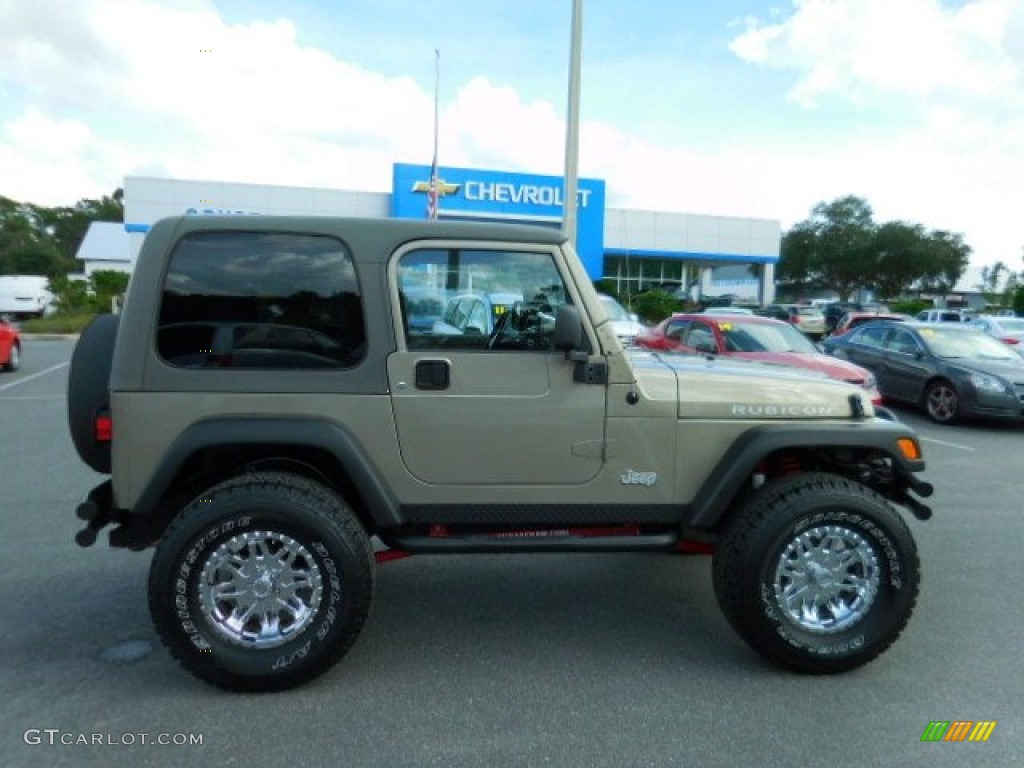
[(499, 408)]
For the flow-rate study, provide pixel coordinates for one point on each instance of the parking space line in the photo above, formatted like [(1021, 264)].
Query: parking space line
[(948, 445), (12, 398), (34, 376)]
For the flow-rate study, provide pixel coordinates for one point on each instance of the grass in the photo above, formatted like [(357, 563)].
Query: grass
[(71, 322)]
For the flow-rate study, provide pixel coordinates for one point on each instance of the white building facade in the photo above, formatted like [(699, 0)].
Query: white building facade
[(697, 254)]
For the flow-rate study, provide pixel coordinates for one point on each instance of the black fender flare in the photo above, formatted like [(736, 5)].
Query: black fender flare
[(740, 461), (254, 430)]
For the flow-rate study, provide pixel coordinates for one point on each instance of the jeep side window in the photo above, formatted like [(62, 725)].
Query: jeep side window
[(488, 300), (263, 300)]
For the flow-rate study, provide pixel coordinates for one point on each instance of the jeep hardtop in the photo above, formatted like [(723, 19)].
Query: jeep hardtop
[(274, 423)]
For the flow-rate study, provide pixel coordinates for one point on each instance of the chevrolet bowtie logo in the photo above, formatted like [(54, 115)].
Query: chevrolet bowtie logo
[(443, 188)]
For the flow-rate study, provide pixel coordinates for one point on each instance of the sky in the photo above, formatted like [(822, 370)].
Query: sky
[(734, 107)]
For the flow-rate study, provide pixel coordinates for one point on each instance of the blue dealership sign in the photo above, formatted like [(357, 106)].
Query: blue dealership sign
[(471, 193)]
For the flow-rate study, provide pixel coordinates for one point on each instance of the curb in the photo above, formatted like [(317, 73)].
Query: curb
[(48, 336)]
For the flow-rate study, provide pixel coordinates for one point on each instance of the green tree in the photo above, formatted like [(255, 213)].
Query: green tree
[(900, 257), (44, 241), (69, 295), (654, 306), (796, 262), (25, 246), (105, 284), (833, 248), (1018, 301), (946, 260), (991, 277)]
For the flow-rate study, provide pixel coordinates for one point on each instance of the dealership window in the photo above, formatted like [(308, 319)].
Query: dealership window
[(479, 299), (263, 300), (635, 274)]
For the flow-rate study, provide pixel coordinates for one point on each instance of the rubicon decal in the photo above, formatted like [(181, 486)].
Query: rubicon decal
[(958, 730), (781, 411)]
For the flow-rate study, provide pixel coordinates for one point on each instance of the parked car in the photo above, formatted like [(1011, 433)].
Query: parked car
[(626, 324), (728, 311), (941, 316), (752, 338), (10, 347), (25, 296), (806, 317), (1009, 330), (474, 314), (852, 320), (774, 311), (953, 370), (835, 311)]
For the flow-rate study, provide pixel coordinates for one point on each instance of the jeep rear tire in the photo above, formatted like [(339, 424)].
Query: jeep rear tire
[(817, 573), (262, 583)]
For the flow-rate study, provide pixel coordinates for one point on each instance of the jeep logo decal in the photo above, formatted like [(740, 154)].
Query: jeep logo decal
[(631, 477)]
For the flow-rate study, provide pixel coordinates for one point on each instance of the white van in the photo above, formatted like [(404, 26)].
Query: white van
[(24, 296), (941, 316)]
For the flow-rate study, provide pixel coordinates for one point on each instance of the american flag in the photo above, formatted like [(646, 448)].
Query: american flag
[(432, 191)]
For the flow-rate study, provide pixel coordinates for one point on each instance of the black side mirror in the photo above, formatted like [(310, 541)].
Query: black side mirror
[(569, 332)]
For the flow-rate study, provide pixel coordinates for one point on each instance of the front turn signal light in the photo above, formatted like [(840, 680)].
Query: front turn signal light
[(909, 448)]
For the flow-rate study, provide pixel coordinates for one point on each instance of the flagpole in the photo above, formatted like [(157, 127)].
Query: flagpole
[(572, 126), (433, 194)]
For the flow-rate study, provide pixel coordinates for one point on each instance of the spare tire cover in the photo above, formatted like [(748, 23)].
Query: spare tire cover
[(89, 388)]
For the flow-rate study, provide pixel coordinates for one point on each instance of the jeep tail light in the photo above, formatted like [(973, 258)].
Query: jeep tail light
[(103, 427)]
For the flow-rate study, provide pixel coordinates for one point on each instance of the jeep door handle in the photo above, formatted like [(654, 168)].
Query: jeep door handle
[(433, 374)]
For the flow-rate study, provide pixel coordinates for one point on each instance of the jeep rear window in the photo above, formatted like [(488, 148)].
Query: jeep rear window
[(261, 300)]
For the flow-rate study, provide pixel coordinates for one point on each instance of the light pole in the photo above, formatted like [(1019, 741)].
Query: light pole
[(572, 126)]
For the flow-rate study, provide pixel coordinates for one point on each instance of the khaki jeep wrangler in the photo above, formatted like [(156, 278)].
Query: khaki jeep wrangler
[(277, 412)]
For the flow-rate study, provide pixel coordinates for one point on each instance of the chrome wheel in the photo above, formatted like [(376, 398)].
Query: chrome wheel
[(260, 589), (941, 402), (826, 579)]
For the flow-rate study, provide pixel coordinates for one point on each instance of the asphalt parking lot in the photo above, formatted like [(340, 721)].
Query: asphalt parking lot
[(589, 660)]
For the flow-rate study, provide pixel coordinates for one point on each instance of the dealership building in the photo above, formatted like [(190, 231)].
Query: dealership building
[(637, 249)]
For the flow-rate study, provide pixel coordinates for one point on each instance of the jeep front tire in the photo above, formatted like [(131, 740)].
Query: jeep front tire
[(262, 583), (817, 573)]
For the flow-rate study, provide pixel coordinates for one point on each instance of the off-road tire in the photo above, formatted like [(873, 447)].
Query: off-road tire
[(797, 543), (256, 537)]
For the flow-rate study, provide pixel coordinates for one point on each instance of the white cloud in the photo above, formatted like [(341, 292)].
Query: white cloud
[(40, 155), (99, 89), (858, 49), (954, 76)]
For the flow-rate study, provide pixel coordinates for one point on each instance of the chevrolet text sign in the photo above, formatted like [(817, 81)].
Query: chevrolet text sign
[(477, 194), (524, 194)]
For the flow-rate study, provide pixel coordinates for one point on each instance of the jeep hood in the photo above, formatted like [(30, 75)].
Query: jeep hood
[(719, 388)]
